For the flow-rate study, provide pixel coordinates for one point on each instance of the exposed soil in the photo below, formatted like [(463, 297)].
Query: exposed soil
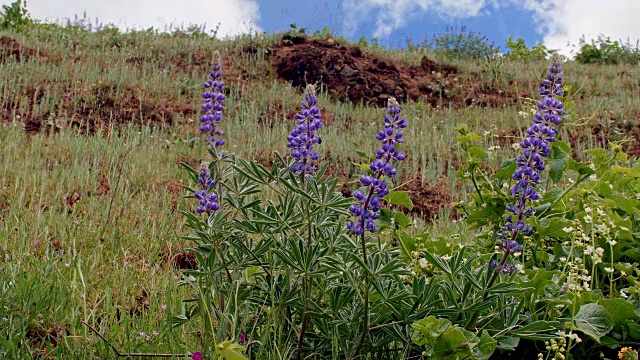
[(353, 75), (39, 336), (185, 261), (10, 49), (93, 107), (428, 198)]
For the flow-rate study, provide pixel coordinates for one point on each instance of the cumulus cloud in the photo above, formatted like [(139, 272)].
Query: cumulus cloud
[(392, 14), (557, 21), (566, 21), (234, 16)]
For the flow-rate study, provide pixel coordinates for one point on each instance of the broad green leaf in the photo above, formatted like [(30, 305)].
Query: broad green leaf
[(407, 244), (509, 343), (485, 348), (452, 345), (621, 310), (401, 220), (427, 330), (633, 329), (593, 320), (476, 152), (580, 167), (558, 157), (399, 198), (625, 171), (230, 350), (633, 254), (508, 168), (537, 330), (552, 227)]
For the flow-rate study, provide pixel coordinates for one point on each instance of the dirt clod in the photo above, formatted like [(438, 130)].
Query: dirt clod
[(185, 261), (356, 76), (428, 198)]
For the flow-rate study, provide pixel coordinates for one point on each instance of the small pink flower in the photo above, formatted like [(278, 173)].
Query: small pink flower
[(241, 338), (196, 356), (164, 307)]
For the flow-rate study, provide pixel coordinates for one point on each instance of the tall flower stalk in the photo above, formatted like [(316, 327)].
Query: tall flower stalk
[(213, 106), (373, 188), (530, 163), (301, 141), (212, 112), (535, 147), (303, 137), (209, 199)]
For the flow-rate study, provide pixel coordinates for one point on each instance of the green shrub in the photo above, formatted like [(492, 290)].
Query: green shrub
[(15, 16), (603, 50), (518, 50), (458, 44)]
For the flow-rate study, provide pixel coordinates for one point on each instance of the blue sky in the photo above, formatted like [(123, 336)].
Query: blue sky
[(552, 22), (497, 24)]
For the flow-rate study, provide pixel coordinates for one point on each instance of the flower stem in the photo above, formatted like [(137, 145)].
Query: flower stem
[(365, 296)]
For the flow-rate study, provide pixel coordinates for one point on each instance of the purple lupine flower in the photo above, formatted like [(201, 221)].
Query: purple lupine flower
[(368, 202), (205, 195), (213, 105), (530, 162), (303, 137)]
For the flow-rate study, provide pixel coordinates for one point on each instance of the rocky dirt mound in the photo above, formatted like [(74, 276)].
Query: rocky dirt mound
[(353, 75)]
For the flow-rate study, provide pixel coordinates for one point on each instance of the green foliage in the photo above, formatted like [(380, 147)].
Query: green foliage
[(603, 50), (446, 341), (49, 194), (457, 43), (15, 17), (518, 50)]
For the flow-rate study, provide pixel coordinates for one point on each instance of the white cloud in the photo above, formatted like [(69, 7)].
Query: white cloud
[(563, 21), (234, 16), (557, 21), (392, 14)]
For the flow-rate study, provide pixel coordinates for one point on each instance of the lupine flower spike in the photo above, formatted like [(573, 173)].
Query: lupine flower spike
[(368, 200), (208, 199), (213, 106), (303, 137), (530, 163)]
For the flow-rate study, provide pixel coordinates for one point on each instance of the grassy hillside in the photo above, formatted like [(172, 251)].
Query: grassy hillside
[(95, 126)]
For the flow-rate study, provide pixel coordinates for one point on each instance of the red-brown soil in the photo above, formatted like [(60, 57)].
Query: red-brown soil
[(428, 198), (10, 49), (350, 74)]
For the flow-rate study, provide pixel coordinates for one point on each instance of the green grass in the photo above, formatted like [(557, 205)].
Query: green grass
[(87, 223)]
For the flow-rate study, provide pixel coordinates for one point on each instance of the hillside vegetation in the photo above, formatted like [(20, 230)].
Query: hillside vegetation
[(96, 125)]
